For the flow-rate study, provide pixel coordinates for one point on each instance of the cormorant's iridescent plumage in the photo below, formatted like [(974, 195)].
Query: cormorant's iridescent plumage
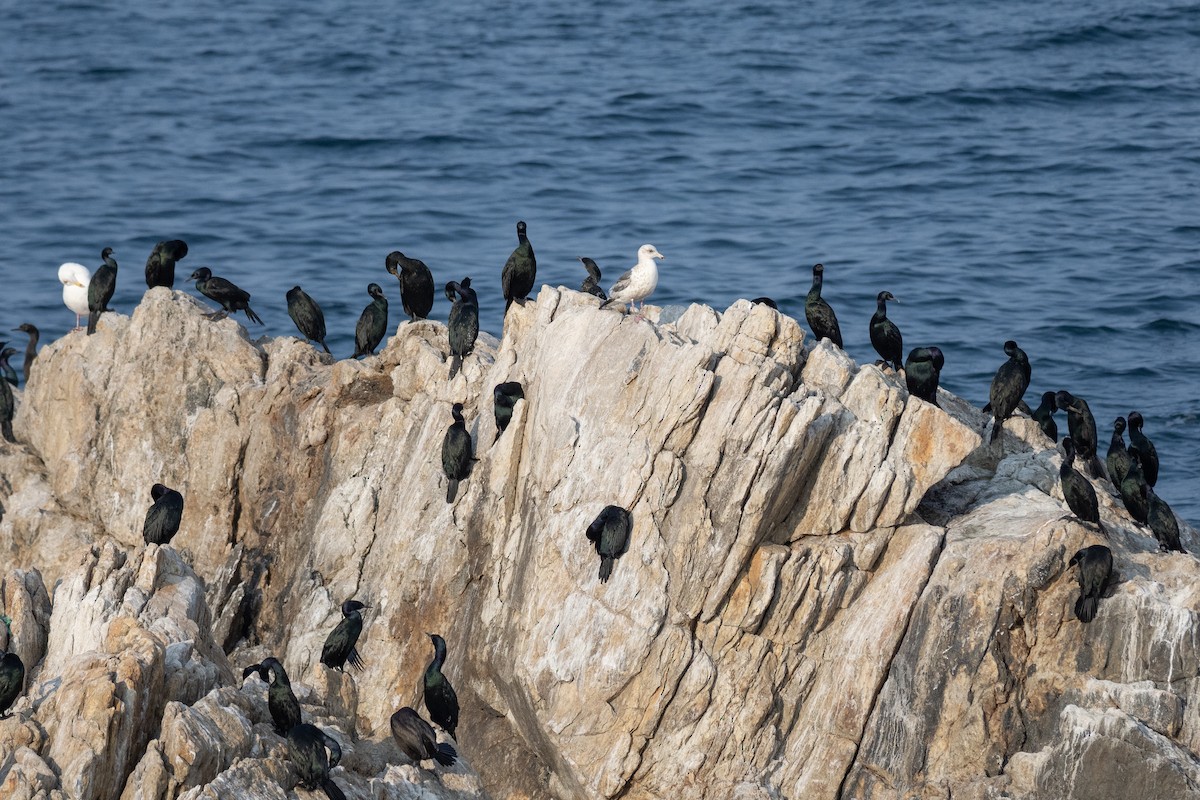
[(610, 534), (922, 372), (1142, 449), (591, 284), (372, 324), (281, 700), (1161, 520), (1077, 490), (306, 748), (463, 325), (1044, 416), (1133, 492), (417, 739), (30, 349), (100, 290), (504, 398), (416, 284), (160, 266), (340, 644), (307, 315), (1118, 459), (1082, 428), (440, 699), (7, 370), (229, 296), (819, 313), (885, 336), (1095, 569), (12, 681), (8, 409), (164, 516), (456, 452), (520, 271), (1008, 386)]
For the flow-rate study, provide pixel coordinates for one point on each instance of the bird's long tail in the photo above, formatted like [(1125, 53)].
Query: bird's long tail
[(252, 316), (332, 791), (999, 426), (6, 429), (1085, 608), (1095, 467), (455, 365), (606, 565), (325, 346), (446, 755), (451, 489), (355, 659), (93, 318)]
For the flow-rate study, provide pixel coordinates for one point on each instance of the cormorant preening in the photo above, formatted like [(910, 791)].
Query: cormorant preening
[(1082, 427), (463, 325), (610, 533), (160, 266), (1161, 520), (456, 452), (372, 325), (1095, 569), (306, 747), (416, 284), (1008, 387), (30, 349), (885, 336), (1133, 492), (1044, 416), (520, 271), (1142, 449), (7, 370), (222, 291), (339, 645), (766, 301), (504, 397), (922, 371), (1118, 458), (162, 520), (100, 290), (281, 700), (8, 407), (307, 315), (819, 314), (591, 284), (440, 699), (638, 282), (417, 739), (1077, 490)]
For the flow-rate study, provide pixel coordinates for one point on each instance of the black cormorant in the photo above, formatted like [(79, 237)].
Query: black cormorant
[(1077, 490), (819, 314), (339, 645), (416, 284), (12, 681), (7, 370), (765, 301), (504, 398), (1008, 386), (440, 699), (281, 700), (610, 533), (160, 266), (463, 325), (307, 315), (372, 324), (100, 290), (1142, 449), (1095, 569), (1044, 416), (306, 747), (8, 407), (1133, 492), (922, 371), (1161, 520), (456, 452), (1118, 459), (162, 520), (885, 336), (520, 271), (230, 297), (1082, 427), (31, 348), (417, 739), (591, 284)]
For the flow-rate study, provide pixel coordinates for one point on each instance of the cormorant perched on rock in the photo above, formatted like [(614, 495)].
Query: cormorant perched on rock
[(1044, 416), (520, 271), (12, 681), (1095, 569), (339, 645), (162, 520), (456, 452), (31, 348), (6, 369), (885, 336), (372, 325), (281, 700), (227, 294), (1008, 386), (1082, 427), (1077, 490), (306, 747), (1142, 449), (440, 699), (160, 266), (1161, 520), (307, 315), (591, 284), (1118, 459), (819, 314), (75, 279), (922, 371), (463, 324), (8, 408), (101, 288), (639, 282), (610, 533), (416, 284), (1133, 493), (417, 739), (765, 301), (504, 397)]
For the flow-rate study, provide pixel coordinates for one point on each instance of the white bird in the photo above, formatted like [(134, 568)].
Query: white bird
[(639, 282), (75, 279)]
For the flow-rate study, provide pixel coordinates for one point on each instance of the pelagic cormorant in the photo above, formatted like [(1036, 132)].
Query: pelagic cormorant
[(30, 348), (504, 398), (1161, 520), (1077, 490), (819, 313), (416, 284), (440, 699), (1118, 459), (101, 288), (922, 371), (520, 271), (885, 336), (1008, 386), (340, 644), (307, 315), (1095, 569), (1133, 492), (162, 520), (591, 284), (1044, 416), (7, 370), (230, 297), (417, 739), (1142, 449), (463, 324), (1082, 428), (12, 681), (610, 533), (281, 700), (456, 452), (8, 408), (160, 266), (75, 279), (372, 324), (306, 747), (638, 282)]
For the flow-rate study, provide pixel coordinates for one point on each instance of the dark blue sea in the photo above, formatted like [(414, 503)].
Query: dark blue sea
[(1017, 170)]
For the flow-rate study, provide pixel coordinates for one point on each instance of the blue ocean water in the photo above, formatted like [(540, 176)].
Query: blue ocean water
[(1020, 170)]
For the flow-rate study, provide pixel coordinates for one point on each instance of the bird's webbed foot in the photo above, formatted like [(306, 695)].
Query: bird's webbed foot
[(217, 316)]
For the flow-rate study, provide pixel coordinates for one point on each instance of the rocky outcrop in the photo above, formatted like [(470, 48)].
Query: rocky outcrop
[(832, 588)]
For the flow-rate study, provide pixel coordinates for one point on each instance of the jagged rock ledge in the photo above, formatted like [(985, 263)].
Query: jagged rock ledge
[(832, 589)]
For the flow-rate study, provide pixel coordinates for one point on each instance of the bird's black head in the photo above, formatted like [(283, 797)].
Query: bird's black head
[(175, 249), (1068, 449), (465, 283), (765, 301), (1119, 425), (439, 643), (106, 252), (1135, 420), (350, 606), (818, 269), (375, 290), (521, 228), (391, 263), (1010, 348), (271, 666), (1048, 399), (25, 327), (202, 274), (7, 353), (1064, 399), (1075, 559), (158, 490), (939, 360), (253, 668), (451, 290), (456, 412), (886, 296), (293, 294)]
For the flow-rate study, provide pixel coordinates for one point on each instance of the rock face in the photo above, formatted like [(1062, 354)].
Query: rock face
[(832, 589)]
